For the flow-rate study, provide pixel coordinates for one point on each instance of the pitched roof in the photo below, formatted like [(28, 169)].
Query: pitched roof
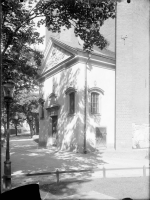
[(77, 46)]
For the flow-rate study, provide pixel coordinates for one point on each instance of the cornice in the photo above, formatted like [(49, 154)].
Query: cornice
[(65, 64)]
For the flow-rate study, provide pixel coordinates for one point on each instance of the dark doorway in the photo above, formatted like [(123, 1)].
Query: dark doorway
[(101, 137), (54, 127)]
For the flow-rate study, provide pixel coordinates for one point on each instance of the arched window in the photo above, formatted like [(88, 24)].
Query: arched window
[(95, 100), (94, 103), (70, 92)]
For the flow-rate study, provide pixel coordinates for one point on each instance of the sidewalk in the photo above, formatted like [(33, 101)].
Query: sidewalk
[(26, 157)]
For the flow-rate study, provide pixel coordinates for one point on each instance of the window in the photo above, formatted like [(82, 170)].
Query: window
[(95, 100), (70, 94), (72, 102), (94, 103)]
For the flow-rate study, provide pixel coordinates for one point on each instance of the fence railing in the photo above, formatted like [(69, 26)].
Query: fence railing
[(131, 168), (58, 172)]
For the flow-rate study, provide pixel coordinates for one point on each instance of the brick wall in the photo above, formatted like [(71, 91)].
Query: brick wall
[(132, 69), (140, 71), (124, 60)]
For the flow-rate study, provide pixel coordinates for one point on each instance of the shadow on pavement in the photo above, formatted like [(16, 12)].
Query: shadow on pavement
[(36, 140), (20, 135), (63, 189), (117, 188)]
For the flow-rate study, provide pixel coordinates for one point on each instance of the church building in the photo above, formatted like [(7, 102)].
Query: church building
[(100, 99)]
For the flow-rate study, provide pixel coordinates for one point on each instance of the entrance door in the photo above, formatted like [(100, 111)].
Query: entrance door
[(101, 137), (54, 128)]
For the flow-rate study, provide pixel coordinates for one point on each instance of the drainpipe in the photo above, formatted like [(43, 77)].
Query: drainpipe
[(85, 108)]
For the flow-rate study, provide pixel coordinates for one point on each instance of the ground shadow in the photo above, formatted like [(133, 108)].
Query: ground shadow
[(36, 140), (27, 158), (64, 188), (20, 135)]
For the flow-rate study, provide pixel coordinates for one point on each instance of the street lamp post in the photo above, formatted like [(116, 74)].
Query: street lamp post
[(8, 88)]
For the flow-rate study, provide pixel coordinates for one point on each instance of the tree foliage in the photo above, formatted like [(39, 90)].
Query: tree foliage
[(19, 57), (26, 105), (20, 60), (87, 16)]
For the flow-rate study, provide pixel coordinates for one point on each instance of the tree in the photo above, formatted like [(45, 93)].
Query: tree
[(20, 60), (16, 120), (26, 104), (18, 25), (87, 16)]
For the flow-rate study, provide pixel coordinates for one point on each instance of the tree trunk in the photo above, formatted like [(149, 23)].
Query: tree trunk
[(31, 129), (16, 129), (37, 125)]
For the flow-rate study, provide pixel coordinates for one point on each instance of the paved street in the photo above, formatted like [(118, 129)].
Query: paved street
[(112, 175)]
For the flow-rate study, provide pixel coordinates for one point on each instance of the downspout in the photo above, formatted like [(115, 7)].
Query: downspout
[(85, 108), (149, 66), (115, 75)]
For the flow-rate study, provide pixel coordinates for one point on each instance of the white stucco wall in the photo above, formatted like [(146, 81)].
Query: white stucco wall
[(105, 80), (70, 127)]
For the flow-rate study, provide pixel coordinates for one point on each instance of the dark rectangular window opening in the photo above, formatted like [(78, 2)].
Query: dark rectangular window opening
[(72, 103), (101, 136)]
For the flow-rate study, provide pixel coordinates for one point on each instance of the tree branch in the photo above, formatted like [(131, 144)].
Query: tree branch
[(17, 29)]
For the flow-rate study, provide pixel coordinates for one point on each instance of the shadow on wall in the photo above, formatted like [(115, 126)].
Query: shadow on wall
[(70, 127)]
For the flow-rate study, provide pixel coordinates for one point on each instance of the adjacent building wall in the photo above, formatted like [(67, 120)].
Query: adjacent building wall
[(132, 72), (124, 63), (104, 79), (140, 73)]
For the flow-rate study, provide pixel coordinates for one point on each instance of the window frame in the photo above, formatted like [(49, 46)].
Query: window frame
[(99, 92), (71, 91), (71, 102), (95, 97)]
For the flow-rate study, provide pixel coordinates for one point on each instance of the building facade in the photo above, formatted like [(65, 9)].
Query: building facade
[(101, 99)]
